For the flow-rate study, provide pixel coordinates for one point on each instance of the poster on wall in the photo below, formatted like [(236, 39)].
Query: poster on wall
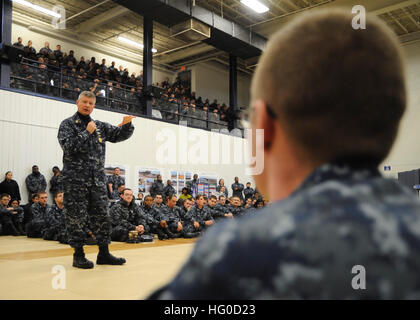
[(188, 176), (212, 185), (146, 177), (207, 184), (174, 180), (181, 181)]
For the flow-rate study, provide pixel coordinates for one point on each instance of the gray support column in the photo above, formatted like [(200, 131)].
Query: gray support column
[(233, 87), (5, 38), (147, 59)]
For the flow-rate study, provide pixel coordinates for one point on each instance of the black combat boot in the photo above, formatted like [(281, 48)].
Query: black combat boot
[(20, 230), (104, 257), (11, 229), (79, 260), (189, 235), (162, 235), (171, 235)]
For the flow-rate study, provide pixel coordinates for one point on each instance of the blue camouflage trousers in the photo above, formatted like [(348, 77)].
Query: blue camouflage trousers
[(86, 207)]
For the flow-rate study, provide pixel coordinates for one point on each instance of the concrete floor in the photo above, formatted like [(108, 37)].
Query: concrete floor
[(27, 266)]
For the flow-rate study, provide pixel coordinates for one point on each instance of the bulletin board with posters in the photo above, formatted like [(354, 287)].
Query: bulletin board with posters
[(207, 184), (174, 180), (179, 180), (145, 178)]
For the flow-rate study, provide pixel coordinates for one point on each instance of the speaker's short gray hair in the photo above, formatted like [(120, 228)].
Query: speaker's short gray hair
[(87, 94)]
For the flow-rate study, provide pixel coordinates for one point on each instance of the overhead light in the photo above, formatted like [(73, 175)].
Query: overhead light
[(38, 8), (255, 5), (133, 43)]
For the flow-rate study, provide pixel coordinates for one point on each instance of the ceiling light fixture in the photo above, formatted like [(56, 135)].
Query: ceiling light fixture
[(37, 8), (255, 5), (133, 43)]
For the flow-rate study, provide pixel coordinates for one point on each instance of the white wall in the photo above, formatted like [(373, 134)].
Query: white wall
[(29, 127), (405, 155), (210, 80), (38, 41)]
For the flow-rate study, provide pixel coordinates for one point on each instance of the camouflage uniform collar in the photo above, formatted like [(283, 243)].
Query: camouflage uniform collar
[(338, 170), (79, 118), (126, 204)]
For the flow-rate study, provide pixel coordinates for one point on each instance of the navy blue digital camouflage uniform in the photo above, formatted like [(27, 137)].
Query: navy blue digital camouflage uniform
[(150, 217), (83, 176), (248, 193), (35, 183), (35, 228), (168, 191), (115, 181), (236, 211), (55, 185), (196, 214), (55, 224), (9, 222), (306, 246), (126, 217), (172, 216), (157, 188), (238, 193), (218, 211)]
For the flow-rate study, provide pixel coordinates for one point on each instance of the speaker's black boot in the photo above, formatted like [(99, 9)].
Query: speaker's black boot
[(79, 260), (104, 257)]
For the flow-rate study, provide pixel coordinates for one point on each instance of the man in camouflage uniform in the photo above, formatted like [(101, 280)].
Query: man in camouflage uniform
[(237, 189), (193, 186), (36, 227), (35, 182), (83, 177), (55, 224), (169, 219), (248, 191), (168, 190), (157, 186), (17, 216), (127, 216), (158, 204), (113, 182), (235, 207), (186, 206), (197, 219), (335, 228), (151, 215), (55, 182), (6, 217), (218, 211)]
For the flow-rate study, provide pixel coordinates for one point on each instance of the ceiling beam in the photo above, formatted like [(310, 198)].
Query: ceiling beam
[(185, 53), (394, 7), (398, 22), (416, 23), (103, 18)]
